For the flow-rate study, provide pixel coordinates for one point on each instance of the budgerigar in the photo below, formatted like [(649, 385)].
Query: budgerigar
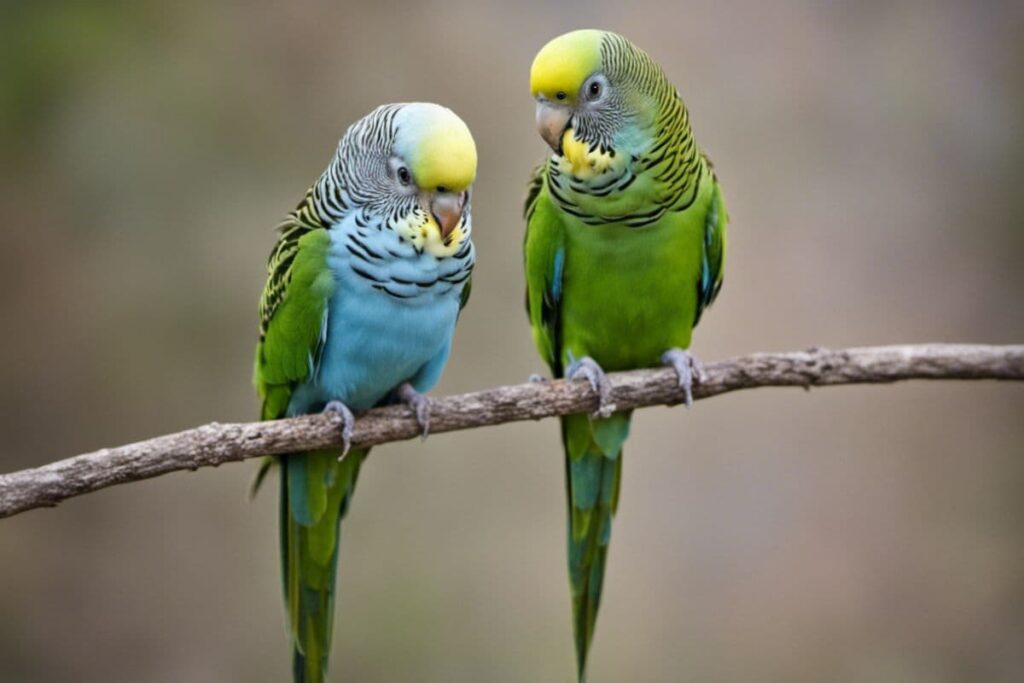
[(364, 288), (624, 250)]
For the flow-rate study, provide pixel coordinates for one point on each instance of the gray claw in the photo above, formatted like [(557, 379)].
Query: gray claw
[(348, 421), (687, 367), (588, 368), (419, 404), (535, 377)]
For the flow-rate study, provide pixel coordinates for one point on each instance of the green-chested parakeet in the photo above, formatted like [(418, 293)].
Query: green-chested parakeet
[(624, 250)]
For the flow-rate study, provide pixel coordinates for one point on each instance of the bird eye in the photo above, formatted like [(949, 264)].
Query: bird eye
[(560, 95), (594, 91), (403, 175), (442, 189)]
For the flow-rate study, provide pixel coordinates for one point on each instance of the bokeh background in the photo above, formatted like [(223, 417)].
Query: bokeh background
[(873, 159)]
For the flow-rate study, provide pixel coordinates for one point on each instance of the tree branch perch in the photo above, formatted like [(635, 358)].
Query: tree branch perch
[(215, 444)]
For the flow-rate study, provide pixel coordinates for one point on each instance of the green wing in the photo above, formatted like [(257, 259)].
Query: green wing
[(544, 262), (292, 315), (713, 262), (293, 312)]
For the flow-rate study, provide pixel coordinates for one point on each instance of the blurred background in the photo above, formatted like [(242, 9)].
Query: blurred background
[(872, 156)]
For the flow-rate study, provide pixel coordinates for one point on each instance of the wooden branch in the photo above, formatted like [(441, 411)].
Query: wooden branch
[(215, 444)]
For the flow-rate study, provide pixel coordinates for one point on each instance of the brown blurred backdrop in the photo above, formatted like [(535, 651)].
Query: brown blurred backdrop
[(873, 158)]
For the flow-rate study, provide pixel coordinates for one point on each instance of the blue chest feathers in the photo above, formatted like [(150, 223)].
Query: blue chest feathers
[(391, 318)]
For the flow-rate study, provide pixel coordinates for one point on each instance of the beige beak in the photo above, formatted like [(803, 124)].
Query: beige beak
[(446, 208), (551, 124)]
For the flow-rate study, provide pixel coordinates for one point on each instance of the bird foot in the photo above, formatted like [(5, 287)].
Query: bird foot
[(536, 378), (687, 368), (348, 421), (418, 404), (588, 368)]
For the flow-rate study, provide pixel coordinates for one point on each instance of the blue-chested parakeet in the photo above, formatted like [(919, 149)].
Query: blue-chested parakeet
[(364, 287)]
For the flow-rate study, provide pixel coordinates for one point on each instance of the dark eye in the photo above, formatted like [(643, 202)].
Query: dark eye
[(594, 91), (560, 95), (403, 175)]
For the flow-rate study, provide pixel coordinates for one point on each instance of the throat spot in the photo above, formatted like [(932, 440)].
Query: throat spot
[(586, 161)]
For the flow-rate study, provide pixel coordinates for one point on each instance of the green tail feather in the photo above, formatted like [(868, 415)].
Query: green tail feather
[(593, 464), (315, 493)]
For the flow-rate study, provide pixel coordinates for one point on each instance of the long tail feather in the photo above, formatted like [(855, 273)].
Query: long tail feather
[(593, 464), (315, 493)]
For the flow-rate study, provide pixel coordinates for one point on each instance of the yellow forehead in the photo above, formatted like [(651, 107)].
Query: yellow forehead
[(444, 154), (563, 64)]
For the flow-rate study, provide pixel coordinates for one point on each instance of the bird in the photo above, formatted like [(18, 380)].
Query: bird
[(364, 287), (624, 250)]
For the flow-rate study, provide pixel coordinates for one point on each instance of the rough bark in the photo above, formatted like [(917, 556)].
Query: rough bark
[(214, 444)]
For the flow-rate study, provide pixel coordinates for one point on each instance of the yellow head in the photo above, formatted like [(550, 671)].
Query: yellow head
[(596, 96), (561, 66), (435, 158), (438, 147)]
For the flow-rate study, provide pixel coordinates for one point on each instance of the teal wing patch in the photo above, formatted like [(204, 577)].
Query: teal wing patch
[(712, 270)]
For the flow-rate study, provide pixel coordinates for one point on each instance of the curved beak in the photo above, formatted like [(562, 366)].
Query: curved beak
[(551, 124), (446, 208)]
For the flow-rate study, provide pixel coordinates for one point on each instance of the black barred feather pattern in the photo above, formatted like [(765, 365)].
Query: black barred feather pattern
[(674, 161), (355, 178), (533, 189), (355, 182), (299, 222), (373, 258)]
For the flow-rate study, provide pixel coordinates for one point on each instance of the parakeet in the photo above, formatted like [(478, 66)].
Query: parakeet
[(624, 249), (364, 287)]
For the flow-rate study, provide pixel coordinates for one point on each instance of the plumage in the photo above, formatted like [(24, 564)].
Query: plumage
[(364, 287), (624, 250)]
